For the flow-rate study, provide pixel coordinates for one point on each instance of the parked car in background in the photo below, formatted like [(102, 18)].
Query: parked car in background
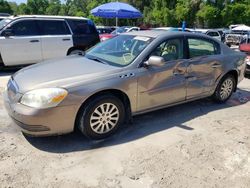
[(214, 33), (4, 15), (31, 39), (170, 29), (119, 30), (130, 74), (245, 47), (104, 29), (235, 37), (200, 31)]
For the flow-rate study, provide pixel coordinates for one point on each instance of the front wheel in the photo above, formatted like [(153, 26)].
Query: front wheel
[(101, 117), (225, 89)]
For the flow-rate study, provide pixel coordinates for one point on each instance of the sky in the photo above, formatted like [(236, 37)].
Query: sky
[(21, 1), (18, 1)]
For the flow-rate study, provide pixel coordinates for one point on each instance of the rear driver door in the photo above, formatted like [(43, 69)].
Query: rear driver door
[(56, 38), (204, 66)]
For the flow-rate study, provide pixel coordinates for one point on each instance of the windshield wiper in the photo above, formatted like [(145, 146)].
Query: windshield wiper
[(98, 60)]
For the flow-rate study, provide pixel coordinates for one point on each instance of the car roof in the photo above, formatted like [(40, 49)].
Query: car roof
[(162, 33), (47, 17)]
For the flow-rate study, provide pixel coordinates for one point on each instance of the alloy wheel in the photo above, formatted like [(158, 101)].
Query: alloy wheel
[(104, 118), (226, 89)]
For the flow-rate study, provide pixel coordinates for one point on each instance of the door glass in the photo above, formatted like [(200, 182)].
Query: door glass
[(82, 27), (213, 34), (170, 50), (199, 47), (25, 28), (53, 27)]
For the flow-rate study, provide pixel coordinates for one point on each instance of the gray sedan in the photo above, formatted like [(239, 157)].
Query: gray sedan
[(130, 74)]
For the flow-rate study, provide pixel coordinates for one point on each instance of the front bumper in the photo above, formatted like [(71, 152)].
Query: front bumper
[(42, 122)]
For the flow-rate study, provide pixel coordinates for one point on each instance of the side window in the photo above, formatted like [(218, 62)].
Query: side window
[(213, 34), (53, 27), (82, 27), (25, 28), (170, 50), (199, 47)]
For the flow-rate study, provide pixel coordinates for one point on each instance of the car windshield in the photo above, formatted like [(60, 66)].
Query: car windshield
[(119, 51), (4, 22)]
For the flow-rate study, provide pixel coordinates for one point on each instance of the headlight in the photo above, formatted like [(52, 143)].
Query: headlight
[(44, 98)]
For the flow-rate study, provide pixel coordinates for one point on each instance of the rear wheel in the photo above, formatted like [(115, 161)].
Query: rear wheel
[(101, 117), (77, 52), (225, 89)]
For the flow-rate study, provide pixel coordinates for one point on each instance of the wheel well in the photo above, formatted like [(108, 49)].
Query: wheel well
[(117, 93), (75, 48), (234, 73)]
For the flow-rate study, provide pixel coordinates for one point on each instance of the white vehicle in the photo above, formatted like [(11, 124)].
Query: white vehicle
[(31, 39), (4, 15), (215, 34)]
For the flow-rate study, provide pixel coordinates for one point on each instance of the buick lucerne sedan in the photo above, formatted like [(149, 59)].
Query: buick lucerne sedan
[(130, 74)]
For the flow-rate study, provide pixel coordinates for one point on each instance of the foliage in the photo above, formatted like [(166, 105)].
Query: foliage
[(5, 7), (196, 13)]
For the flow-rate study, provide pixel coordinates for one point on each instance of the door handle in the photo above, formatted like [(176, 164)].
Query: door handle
[(178, 72), (34, 41), (216, 65), (65, 39)]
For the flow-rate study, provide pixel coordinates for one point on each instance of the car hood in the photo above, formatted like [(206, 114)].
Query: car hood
[(61, 73)]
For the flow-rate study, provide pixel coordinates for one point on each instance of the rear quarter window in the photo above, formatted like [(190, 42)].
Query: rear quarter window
[(82, 27), (200, 47)]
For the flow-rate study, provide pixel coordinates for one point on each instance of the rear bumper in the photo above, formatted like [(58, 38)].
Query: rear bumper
[(42, 122)]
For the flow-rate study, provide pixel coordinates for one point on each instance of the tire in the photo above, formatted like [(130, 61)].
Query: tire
[(76, 52), (96, 122), (225, 89)]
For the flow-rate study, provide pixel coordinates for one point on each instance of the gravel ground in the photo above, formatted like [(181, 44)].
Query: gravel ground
[(199, 144)]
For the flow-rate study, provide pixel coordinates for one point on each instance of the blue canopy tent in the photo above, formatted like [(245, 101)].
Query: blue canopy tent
[(116, 10)]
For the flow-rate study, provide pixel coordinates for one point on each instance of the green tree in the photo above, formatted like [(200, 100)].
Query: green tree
[(54, 7), (236, 13), (209, 16), (37, 6), (181, 13), (14, 7), (23, 9), (5, 7)]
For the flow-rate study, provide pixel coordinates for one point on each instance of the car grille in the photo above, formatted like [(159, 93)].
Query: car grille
[(12, 90)]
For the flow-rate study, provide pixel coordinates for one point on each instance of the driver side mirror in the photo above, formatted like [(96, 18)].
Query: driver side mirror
[(156, 61), (7, 32)]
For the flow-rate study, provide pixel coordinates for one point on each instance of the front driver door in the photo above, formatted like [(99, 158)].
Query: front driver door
[(164, 85), (24, 46)]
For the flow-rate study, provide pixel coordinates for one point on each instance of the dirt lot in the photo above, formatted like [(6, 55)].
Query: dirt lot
[(199, 144)]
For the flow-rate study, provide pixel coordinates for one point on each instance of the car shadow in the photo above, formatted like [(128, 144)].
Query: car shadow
[(142, 126), (9, 71)]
